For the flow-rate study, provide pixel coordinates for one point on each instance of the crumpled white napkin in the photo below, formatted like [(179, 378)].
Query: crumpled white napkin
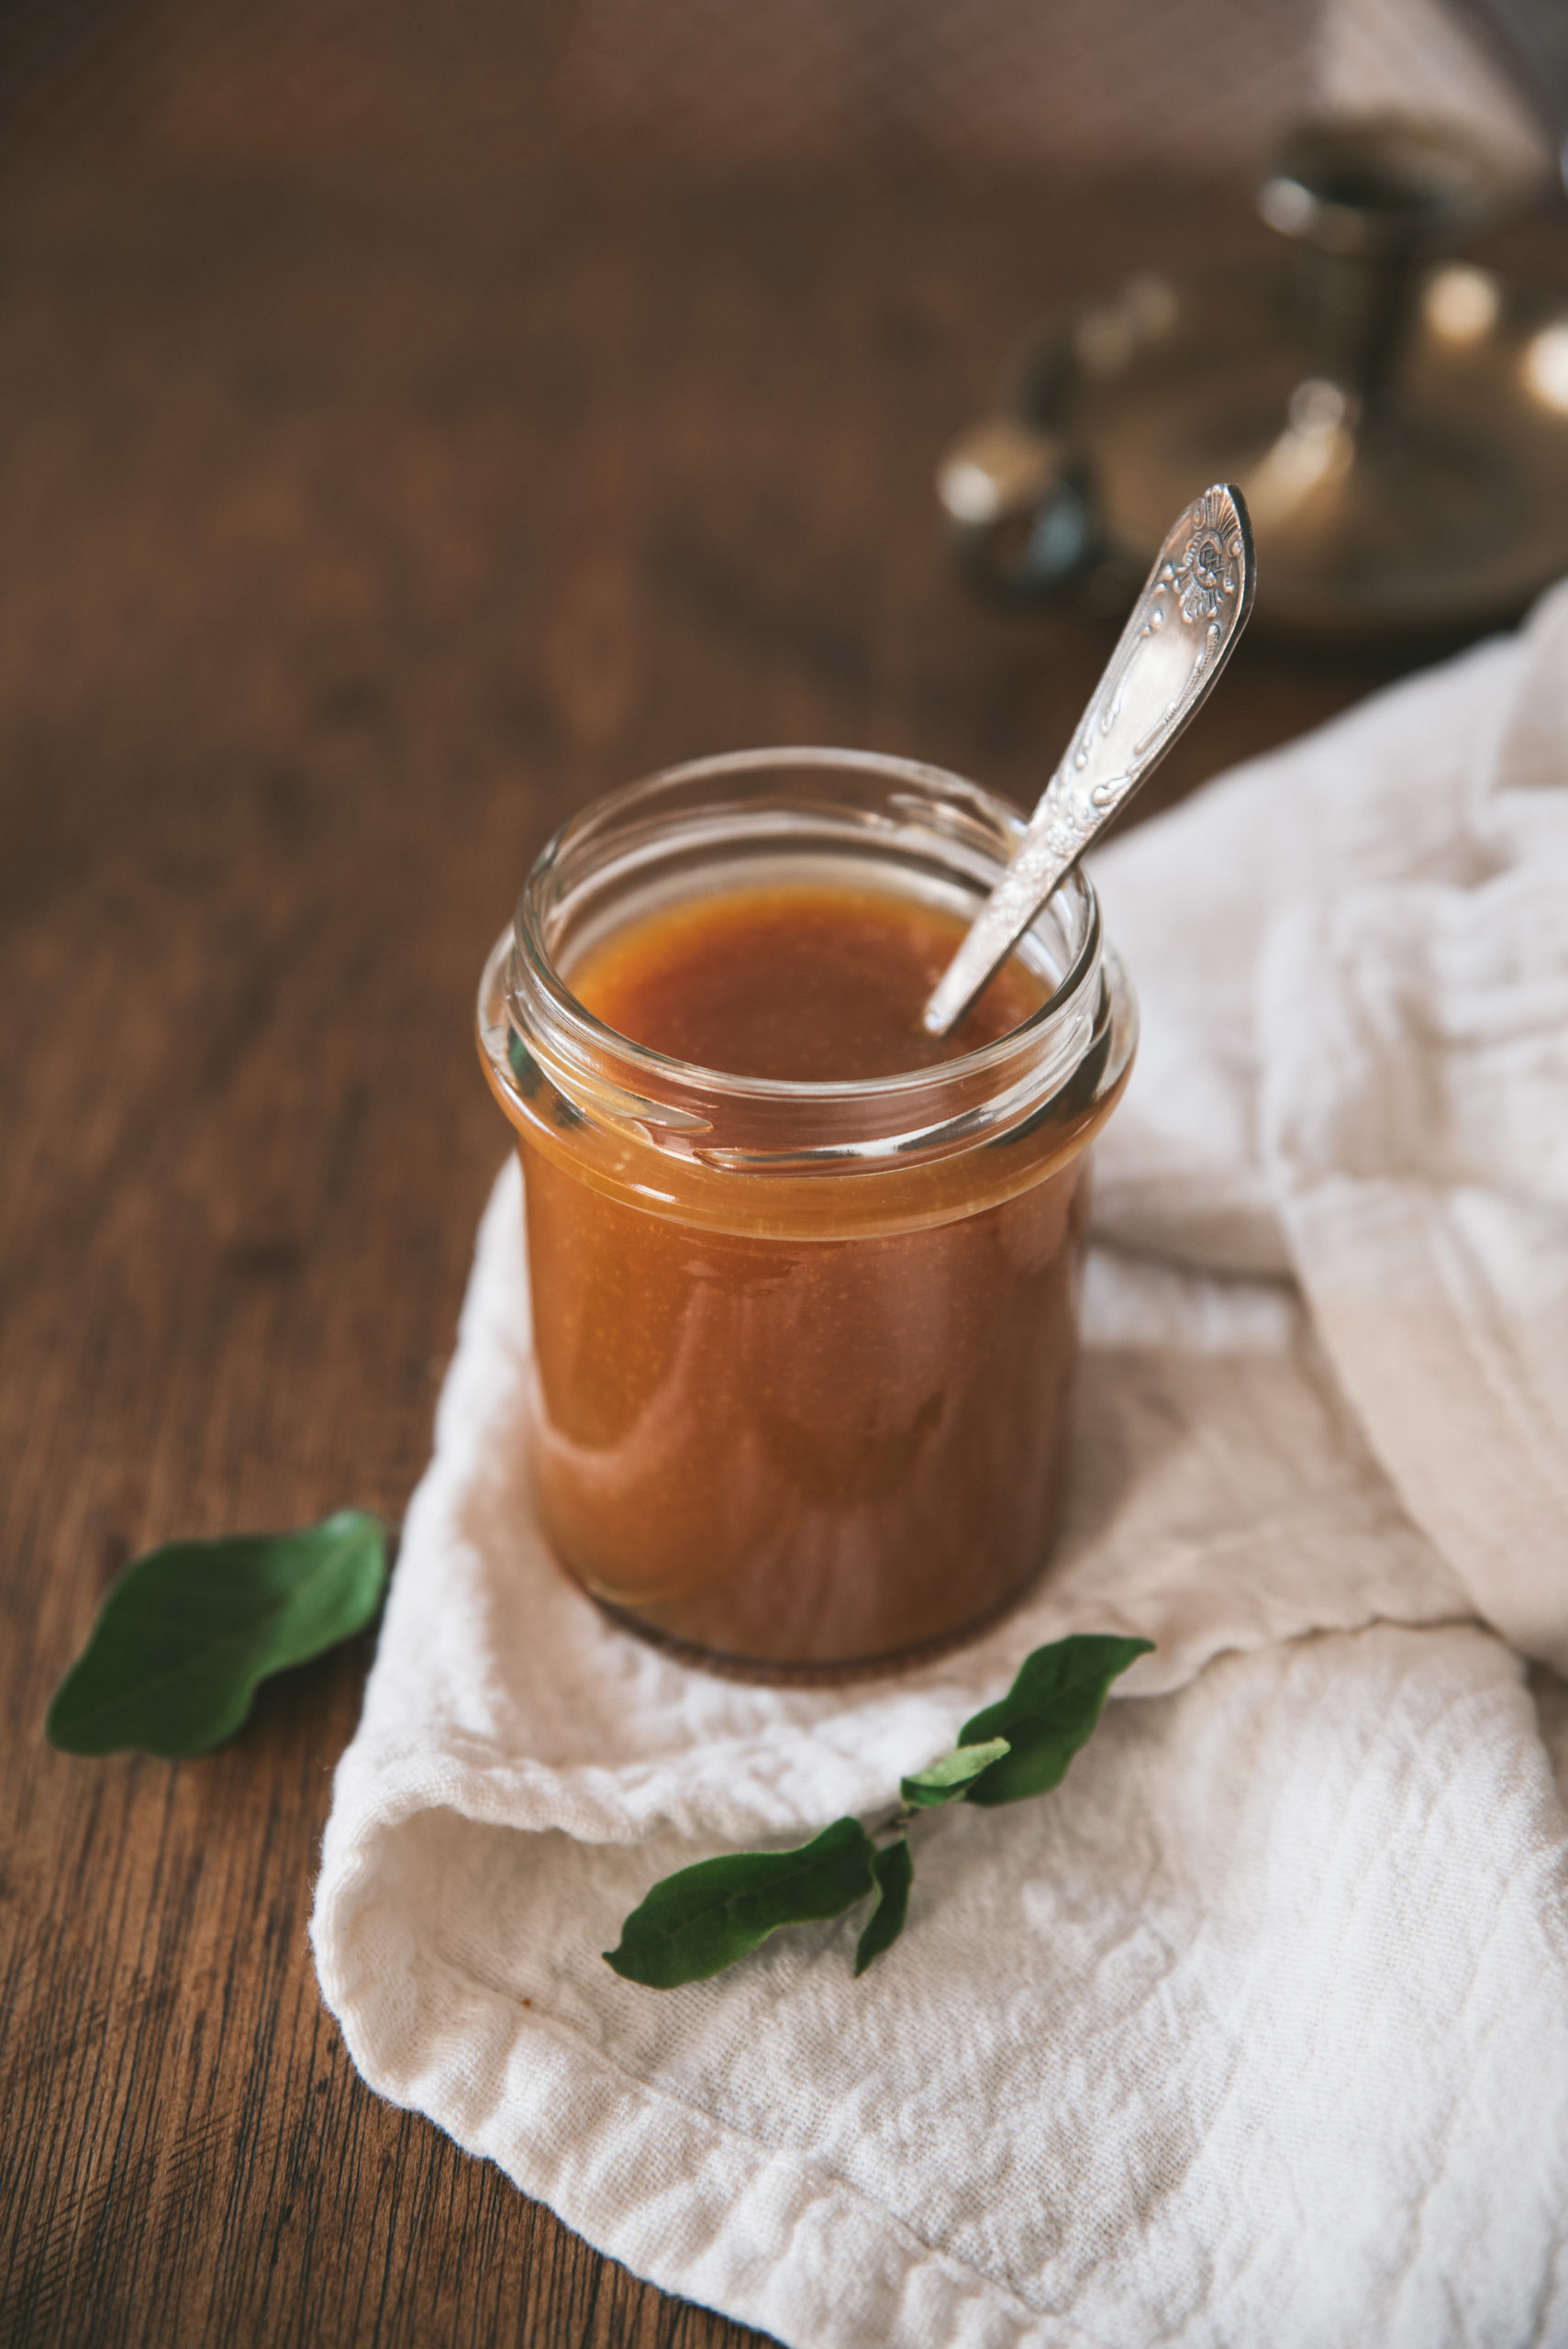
[(1257, 2030)]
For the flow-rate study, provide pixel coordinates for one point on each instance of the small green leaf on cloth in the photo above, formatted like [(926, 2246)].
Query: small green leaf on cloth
[(187, 1632), (702, 1918), (893, 1868), (1047, 1714), (947, 1778)]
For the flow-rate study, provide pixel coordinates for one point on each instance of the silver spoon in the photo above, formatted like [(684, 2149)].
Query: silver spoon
[(1181, 633)]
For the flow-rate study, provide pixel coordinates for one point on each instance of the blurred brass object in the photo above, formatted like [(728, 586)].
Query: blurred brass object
[(1397, 421)]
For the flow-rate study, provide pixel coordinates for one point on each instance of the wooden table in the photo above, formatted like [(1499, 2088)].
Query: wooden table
[(356, 530)]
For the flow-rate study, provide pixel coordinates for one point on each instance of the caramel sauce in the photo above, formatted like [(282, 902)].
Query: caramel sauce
[(814, 986), (787, 1450)]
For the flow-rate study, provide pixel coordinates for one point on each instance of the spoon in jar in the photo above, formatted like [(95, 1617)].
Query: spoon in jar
[(1180, 634)]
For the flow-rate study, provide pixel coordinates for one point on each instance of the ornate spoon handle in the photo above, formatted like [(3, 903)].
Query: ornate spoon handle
[(1178, 637)]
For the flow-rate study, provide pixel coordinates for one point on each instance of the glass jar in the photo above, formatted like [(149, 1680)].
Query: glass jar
[(801, 1352)]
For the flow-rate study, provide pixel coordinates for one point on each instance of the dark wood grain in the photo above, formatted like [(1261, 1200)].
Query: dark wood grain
[(356, 528)]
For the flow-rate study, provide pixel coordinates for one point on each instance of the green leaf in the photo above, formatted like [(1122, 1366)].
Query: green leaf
[(1047, 1714), (893, 1868), (947, 1778), (188, 1630), (523, 1065), (702, 1918)]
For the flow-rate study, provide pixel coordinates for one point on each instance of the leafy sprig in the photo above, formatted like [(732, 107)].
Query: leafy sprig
[(694, 1923)]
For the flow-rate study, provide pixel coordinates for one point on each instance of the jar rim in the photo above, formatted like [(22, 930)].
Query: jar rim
[(580, 1087), (529, 940)]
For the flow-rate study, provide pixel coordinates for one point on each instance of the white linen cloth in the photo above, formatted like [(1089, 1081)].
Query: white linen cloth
[(1256, 2031)]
